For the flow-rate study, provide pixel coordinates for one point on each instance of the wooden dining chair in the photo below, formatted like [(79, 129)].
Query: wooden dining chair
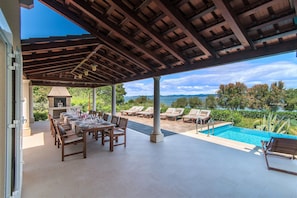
[(105, 116), (114, 120), (118, 132), (54, 131), (71, 138)]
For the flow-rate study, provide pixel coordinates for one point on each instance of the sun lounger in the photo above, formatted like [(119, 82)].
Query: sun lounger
[(132, 111), (148, 112), (178, 112), (168, 111), (191, 116), (203, 116), (281, 147)]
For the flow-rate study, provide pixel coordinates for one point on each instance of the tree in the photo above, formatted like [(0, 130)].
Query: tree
[(195, 102), (258, 96), (143, 100), (210, 102), (40, 101), (277, 95), (233, 96), (180, 102), (291, 99)]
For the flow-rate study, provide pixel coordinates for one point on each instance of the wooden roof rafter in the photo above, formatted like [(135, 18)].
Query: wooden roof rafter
[(146, 29), (145, 38), (234, 23)]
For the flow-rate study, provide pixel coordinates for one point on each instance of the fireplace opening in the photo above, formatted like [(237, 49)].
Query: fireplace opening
[(59, 102)]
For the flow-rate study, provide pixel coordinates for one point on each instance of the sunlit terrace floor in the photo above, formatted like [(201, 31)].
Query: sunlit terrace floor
[(183, 165)]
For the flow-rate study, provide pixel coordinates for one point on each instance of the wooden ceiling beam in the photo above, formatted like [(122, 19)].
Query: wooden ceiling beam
[(106, 70), (49, 68), (92, 13), (257, 8), (52, 55), (146, 29), (59, 44), (202, 13), (105, 39), (177, 18), (74, 59), (115, 63), (234, 23)]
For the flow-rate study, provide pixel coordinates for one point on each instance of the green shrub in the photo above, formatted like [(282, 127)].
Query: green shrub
[(40, 115)]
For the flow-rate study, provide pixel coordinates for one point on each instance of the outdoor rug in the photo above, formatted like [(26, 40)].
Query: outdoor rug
[(145, 129)]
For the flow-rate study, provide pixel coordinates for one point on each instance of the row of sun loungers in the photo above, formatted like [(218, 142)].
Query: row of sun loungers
[(171, 114)]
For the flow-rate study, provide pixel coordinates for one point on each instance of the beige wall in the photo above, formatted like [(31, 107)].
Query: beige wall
[(11, 11)]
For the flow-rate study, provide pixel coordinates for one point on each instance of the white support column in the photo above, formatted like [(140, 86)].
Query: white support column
[(113, 100), (31, 103), (94, 99), (26, 104), (157, 135)]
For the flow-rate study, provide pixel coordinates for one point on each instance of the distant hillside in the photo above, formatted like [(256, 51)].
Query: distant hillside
[(169, 99)]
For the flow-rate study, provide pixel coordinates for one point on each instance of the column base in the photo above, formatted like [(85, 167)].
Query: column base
[(26, 132), (157, 137)]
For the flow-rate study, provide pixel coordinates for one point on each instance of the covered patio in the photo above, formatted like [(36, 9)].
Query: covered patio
[(183, 165), (132, 40)]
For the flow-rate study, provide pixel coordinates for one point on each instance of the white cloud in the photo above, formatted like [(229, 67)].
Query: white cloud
[(207, 81)]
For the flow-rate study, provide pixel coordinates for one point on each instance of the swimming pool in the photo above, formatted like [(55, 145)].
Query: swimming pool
[(249, 136)]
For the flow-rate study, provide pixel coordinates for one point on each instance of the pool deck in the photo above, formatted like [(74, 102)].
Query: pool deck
[(183, 165)]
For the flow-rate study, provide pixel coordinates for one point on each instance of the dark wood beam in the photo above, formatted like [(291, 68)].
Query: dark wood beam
[(74, 59), (234, 23), (146, 29), (58, 44), (105, 39), (187, 28), (52, 55), (258, 8), (92, 13)]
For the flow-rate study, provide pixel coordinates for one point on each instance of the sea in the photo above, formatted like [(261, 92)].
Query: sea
[(169, 99)]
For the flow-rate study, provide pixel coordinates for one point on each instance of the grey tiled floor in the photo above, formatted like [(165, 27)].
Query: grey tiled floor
[(180, 166)]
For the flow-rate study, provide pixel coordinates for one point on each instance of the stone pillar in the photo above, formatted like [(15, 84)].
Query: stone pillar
[(157, 135), (94, 99), (26, 109), (113, 100), (31, 103)]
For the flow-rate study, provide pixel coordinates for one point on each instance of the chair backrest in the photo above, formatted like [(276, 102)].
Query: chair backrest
[(123, 123), (91, 112), (150, 109), (140, 108), (52, 126), (105, 116), (134, 108), (179, 111), (204, 113), (170, 110), (99, 113), (194, 112), (114, 120)]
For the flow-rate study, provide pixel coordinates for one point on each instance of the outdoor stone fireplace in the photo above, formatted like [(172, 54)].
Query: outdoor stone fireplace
[(59, 100)]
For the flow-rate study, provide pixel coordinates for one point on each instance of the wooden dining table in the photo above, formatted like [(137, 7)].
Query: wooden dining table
[(95, 126)]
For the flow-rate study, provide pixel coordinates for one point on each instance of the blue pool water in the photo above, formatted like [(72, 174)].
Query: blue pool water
[(249, 136)]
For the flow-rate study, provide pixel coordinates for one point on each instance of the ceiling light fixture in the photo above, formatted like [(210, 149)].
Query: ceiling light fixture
[(86, 72), (94, 67)]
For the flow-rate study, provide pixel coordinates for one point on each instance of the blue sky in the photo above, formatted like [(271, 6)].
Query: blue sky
[(41, 21)]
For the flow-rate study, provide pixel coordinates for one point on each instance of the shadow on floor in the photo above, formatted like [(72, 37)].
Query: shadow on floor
[(145, 129)]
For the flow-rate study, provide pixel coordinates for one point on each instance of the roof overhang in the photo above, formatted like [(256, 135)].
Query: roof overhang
[(132, 40)]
